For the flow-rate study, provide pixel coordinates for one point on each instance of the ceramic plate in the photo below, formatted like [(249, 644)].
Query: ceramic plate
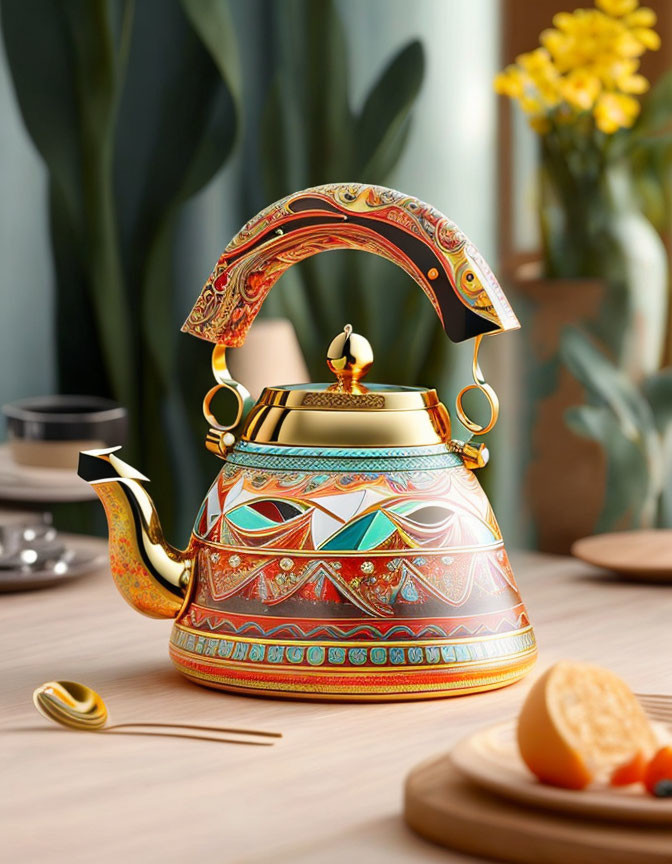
[(88, 554), (491, 760), (643, 555), (25, 483)]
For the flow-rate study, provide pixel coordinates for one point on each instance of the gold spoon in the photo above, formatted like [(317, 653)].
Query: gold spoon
[(77, 706)]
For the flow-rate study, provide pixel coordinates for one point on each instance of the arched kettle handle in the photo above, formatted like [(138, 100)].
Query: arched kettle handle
[(413, 235)]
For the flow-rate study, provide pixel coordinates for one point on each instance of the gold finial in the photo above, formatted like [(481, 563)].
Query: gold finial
[(349, 357)]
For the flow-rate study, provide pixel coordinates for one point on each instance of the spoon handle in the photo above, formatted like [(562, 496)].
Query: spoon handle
[(232, 731), (112, 730)]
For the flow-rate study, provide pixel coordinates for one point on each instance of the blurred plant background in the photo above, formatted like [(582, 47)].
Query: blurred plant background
[(139, 136), (131, 119)]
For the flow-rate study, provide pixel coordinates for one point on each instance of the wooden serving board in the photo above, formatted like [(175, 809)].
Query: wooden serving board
[(442, 806)]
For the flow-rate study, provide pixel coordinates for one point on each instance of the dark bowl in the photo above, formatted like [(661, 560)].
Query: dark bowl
[(49, 431)]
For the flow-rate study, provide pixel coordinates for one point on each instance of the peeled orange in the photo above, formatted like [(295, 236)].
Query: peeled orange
[(578, 723)]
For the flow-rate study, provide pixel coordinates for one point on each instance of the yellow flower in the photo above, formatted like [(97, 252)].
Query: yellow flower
[(642, 17), (617, 7), (564, 21), (587, 37), (581, 88), (555, 42), (614, 111), (648, 38), (589, 60), (543, 77), (510, 82), (535, 61), (640, 23), (633, 84), (626, 44), (621, 74)]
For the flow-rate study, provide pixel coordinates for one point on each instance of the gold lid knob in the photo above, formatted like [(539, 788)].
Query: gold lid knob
[(349, 357)]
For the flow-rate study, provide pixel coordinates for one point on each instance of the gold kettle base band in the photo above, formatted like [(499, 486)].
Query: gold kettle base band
[(356, 673)]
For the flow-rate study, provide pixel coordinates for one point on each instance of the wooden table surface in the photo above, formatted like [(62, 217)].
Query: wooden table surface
[(330, 791)]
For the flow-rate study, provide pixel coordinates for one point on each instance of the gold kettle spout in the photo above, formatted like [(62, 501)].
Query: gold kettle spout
[(150, 574)]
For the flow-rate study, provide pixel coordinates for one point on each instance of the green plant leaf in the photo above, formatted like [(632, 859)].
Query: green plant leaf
[(617, 404), (606, 384), (52, 122), (211, 20), (212, 23), (68, 99), (81, 367), (307, 140), (313, 84), (177, 126), (627, 498), (384, 121), (131, 119), (658, 391)]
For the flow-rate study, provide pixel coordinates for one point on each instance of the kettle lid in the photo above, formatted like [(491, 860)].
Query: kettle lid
[(347, 412)]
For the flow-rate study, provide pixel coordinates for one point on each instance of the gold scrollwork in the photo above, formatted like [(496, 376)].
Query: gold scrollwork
[(336, 399)]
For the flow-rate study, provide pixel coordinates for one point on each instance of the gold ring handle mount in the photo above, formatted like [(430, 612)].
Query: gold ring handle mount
[(479, 384), (221, 438)]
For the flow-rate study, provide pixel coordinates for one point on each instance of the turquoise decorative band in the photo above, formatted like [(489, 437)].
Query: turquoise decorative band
[(340, 656), (353, 452), (365, 460)]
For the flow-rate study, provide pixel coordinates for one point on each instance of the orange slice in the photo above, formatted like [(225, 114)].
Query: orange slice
[(658, 774), (578, 723), (630, 772)]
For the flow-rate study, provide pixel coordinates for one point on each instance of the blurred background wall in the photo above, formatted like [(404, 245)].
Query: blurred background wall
[(27, 345)]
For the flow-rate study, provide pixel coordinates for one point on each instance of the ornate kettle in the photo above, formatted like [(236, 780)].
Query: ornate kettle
[(346, 549)]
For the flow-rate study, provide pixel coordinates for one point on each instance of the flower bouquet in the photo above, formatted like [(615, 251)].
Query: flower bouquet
[(605, 157), (581, 92)]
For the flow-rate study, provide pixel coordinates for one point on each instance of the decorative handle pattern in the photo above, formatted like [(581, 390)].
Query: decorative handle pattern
[(423, 242)]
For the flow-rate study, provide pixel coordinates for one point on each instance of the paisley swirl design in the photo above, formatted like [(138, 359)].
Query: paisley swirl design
[(412, 234)]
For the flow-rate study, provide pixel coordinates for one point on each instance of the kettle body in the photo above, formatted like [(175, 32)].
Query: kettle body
[(371, 573)]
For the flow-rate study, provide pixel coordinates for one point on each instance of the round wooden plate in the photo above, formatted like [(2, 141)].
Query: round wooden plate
[(446, 808), (490, 759), (637, 554)]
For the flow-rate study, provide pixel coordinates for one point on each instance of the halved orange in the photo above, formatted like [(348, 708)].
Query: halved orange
[(578, 723)]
